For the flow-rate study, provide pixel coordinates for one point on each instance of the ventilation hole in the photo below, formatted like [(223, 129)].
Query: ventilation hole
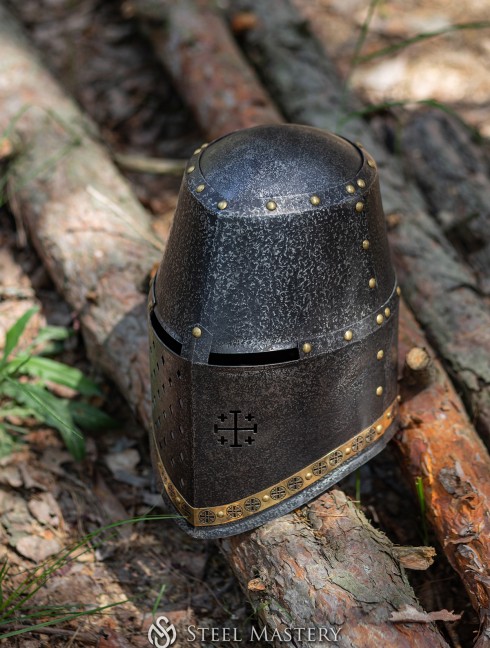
[(164, 337), (172, 434), (181, 402), (164, 415), (181, 429), (247, 359), (163, 361), (164, 440), (182, 483), (172, 461), (170, 381), (181, 457), (171, 409), (179, 375)]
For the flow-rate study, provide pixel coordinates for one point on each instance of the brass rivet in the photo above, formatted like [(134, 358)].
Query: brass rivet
[(387, 312), (198, 150), (398, 291), (348, 336), (389, 415), (308, 475), (177, 499), (200, 188), (399, 398), (347, 451), (315, 200), (365, 245), (379, 428), (372, 282), (221, 514), (350, 188), (371, 163), (359, 144), (196, 332), (359, 206), (191, 169), (266, 498), (380, 354), (222, 204), (379, 319), (204, 145), (379, 391), (271, 205), (306, 347), (361, 183)]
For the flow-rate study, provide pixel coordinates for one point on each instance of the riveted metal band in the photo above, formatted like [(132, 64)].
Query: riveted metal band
[(280, 492), (272, 206)]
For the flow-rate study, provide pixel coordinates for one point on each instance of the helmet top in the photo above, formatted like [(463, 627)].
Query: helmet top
[(285, 160)]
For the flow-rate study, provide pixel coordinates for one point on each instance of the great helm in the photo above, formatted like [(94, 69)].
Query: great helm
[(273, 327)]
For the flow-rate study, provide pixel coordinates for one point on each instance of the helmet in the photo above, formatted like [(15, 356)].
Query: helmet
[(273, 327)]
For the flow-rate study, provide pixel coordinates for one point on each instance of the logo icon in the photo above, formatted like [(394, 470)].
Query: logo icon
[(161, 633)]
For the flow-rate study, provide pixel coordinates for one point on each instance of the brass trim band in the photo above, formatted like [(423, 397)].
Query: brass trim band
[(258, 502)]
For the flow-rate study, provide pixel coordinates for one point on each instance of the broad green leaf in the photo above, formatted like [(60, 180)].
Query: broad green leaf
[(89, 417), (20, 412), (53, 333), (59, 373), (7, 443), (14, 333), (54, 411)]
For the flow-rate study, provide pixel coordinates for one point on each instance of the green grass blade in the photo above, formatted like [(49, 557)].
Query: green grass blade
[(158, 599), (14, 333), (89, 417), (54, 411), (392, 49), (61, 374), (419, 487), (53, 334), (67, 617), (363, 32)]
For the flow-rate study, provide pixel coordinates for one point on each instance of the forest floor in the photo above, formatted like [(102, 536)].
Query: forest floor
[(48, 501)]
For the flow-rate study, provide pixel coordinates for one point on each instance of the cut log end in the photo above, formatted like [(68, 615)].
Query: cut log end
[(417, 370)]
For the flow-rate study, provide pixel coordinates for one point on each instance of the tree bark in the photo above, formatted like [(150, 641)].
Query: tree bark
[(438, 444), (97, 243), (452, 172)]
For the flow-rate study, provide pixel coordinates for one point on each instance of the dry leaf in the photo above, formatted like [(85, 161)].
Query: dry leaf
[(255, 585), (415, 557), (409, 614)]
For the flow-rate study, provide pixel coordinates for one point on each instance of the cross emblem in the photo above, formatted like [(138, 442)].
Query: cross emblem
[(357, 444), (252, 504), (335, 458), (234, 511), (370, 435), (234, 442), (295, 483), (207, 517)]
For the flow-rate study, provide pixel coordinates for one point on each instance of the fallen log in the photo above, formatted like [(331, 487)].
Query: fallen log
[(197, 48), (91, 233), (302, 557), (441, 289), (439, 445), (276, 29), (452, 172), (97, 243)]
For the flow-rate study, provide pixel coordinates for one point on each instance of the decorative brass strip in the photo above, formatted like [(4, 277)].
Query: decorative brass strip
[(280, 492)]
